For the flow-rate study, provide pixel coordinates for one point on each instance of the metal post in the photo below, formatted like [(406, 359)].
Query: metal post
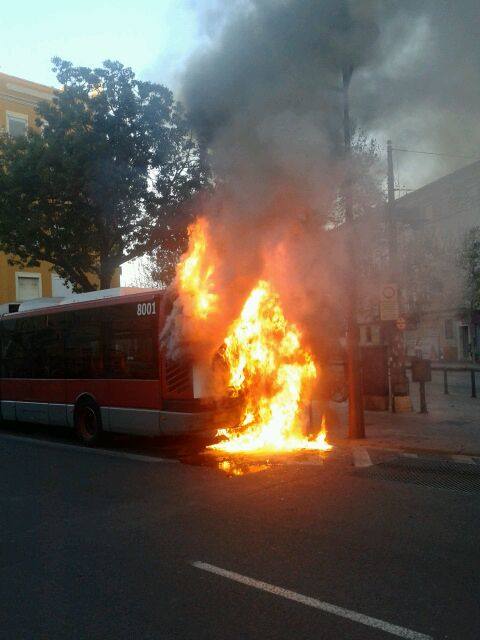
[(310, 418), (392, 230), (400, 383), (474, 385), (423, 402), (445, 381), (356, 421)]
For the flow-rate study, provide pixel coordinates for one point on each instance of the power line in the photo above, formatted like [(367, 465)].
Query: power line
[(433, 153)]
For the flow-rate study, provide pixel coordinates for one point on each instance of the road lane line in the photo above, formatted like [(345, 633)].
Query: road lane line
[(77, 448), (463, 459), (354, 616), (361, 457), (410, 455)]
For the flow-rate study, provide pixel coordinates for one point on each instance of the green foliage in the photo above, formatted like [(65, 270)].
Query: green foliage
[(469, 261), (157, 269), (110, 177), (366, 174)]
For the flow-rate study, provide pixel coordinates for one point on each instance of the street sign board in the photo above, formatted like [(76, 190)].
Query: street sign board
[(401, 324), (389, 308), (421, 370)]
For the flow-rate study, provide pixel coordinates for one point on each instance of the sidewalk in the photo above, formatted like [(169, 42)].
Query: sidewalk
[(451, 426)]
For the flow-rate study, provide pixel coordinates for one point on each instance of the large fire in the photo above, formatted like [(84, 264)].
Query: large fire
[(195, 272), (268, 368)]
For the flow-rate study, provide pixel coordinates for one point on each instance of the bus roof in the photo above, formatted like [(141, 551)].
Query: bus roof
[(101, 298)]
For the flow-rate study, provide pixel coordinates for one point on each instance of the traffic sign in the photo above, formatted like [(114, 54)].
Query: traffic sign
[(389, 307)]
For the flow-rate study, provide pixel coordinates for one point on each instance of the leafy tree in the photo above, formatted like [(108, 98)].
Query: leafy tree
[(158, 268), (469, 262), (426, 277), (366, 177), (109, 177)]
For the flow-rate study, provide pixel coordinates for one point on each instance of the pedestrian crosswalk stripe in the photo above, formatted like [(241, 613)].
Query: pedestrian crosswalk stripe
[(463, 459), (361, 457)]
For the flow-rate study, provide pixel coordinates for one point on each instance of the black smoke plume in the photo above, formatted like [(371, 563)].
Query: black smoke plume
[(267, 83)]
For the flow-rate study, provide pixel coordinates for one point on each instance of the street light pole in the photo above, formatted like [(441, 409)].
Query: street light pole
[(356, 421)]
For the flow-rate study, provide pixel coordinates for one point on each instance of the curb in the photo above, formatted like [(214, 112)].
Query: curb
[(387, 446)]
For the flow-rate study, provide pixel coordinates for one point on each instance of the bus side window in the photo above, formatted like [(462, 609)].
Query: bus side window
[(54, 345), (84, 347), (18, 344), (36, 337), (131, 344), (12, 350)]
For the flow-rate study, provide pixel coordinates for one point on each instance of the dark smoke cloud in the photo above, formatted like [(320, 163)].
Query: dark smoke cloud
[(265, 91), (265, 94), (265, 97), (423, 87)]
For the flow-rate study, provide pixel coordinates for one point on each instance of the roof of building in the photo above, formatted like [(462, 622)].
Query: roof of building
[(23, 81), (452, 178)]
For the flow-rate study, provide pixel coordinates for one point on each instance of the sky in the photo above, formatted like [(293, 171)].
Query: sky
[(154, 37), (151, 36)]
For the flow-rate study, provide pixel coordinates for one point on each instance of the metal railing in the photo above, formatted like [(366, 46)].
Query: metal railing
[(446, 370)]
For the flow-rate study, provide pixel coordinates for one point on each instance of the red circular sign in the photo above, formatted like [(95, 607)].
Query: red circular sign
[(388, 292)]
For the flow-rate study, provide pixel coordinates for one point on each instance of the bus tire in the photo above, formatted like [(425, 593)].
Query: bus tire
[(88, 422)]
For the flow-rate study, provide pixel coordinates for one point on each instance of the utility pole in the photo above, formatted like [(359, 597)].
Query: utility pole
[(392, 231), (356, 421), (398, 378)]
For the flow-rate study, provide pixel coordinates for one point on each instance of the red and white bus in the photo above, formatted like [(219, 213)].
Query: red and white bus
[(94, 362)]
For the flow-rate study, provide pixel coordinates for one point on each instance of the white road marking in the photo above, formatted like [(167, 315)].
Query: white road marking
[(77, 448), (361, 457), (354, 616), (410, 455), (464, 459)]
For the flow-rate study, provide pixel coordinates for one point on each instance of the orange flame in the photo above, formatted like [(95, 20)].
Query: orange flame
[(271, 371), (195, 273), (268, 369)]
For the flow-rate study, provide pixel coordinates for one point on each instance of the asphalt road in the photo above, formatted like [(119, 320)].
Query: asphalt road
[(124, 543)]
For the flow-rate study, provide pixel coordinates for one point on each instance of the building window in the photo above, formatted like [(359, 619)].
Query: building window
[(449, 329), (28, 286), (60, 289), (17, 124)]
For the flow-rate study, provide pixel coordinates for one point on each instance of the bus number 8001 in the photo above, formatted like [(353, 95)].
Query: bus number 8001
[(146, 309)]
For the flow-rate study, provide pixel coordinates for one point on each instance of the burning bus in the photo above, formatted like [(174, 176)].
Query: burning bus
[(149, 362), (94, 362)]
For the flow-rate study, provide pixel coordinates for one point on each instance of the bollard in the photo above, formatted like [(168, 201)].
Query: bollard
[(445, 381), (423, 402), (474, 386)]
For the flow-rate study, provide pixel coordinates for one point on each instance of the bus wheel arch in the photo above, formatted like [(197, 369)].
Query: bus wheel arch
[(87, 420)]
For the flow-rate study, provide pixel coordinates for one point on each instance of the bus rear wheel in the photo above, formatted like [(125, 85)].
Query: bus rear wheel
[(88, 422)]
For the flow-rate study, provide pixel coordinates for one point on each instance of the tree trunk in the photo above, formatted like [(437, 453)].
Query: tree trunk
[(106, 279), (106, 274)]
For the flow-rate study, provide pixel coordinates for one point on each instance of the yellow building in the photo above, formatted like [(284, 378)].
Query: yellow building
[(18, 99)]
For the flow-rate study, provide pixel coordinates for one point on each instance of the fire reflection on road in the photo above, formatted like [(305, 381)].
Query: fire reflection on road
[(245, 464), (238, 468)]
